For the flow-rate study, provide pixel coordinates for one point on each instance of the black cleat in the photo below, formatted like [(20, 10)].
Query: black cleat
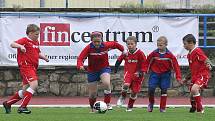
[(23, 110), (7, 107), (192, 110)]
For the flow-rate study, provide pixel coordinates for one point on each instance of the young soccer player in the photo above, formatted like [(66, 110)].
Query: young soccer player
[(160, 62), (28, 54), (200, 72), (133, 72), (98, 66)]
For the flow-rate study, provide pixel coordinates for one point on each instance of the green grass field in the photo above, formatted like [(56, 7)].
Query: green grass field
[(118, 114)]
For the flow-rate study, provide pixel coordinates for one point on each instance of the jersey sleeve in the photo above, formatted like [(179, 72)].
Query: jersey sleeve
[(201, 56), (148, 62), (121, 58), (114, 45), (176, 67), (83, 55), (142, 59), (21, 41)]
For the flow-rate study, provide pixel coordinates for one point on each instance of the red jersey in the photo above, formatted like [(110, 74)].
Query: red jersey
[(31, 56), (161, 63), (97, 58), (197, 64), (134, 62)]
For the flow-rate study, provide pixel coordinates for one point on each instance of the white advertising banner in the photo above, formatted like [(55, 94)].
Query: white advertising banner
[(63, 38)]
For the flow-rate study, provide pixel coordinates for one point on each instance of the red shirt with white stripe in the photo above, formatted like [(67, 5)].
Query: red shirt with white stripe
[(162, 62), (31, 56), (133, 62), (197, 64), (97, 58)]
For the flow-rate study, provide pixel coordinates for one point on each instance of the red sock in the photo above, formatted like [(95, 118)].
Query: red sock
[(124, 94), (27, 97), (163, 102), (131, 102), (107, 98), (151, 99), (91, 102), (16, 97), (198, 103)]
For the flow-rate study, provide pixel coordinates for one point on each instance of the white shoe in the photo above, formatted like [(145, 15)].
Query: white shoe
[(202, 111), (120, 102), (109, 107), (128, 110)]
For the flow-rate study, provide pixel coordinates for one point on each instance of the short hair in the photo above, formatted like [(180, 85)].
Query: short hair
[(189, 38), (161, 38), (132, 38), (32, 28)]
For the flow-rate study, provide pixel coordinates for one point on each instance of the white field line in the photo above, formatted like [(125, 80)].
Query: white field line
[(84, 105)]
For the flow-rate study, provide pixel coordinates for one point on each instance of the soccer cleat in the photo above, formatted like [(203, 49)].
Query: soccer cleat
[(162, 110), (150, 107), (120, 102), (7, 107), (109, 107), (128, 110), (23, 110), (192, 110)]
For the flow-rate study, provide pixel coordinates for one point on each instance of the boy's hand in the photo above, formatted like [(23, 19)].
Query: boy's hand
[(23, 49), (139, 74), (82, 68)]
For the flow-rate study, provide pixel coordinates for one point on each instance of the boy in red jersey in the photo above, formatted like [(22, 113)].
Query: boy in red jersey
[(133, 73), (160, 62), (98, 66), (200, 72), (28, 54)]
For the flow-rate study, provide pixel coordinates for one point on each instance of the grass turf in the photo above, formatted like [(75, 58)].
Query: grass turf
[(118, 114)]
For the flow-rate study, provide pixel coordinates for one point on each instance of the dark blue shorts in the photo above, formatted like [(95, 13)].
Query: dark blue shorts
[(161, 80), (95, 76)]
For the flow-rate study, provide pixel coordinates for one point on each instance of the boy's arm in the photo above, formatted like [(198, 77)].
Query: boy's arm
[(148, 62), (43, 56), (142, 59), (118, 62), (116, 45), (18, 46), (81, 58), (176, 68)]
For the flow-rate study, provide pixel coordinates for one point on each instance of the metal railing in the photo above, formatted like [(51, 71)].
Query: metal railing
[(173, 4)]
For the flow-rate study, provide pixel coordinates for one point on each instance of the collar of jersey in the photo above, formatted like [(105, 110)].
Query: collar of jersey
[(93, 46)]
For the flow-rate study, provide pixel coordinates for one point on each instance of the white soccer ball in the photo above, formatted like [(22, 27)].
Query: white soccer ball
[(100, 106)]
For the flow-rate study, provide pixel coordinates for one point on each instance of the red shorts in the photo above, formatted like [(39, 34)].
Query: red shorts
[(28, 74), (200, 80), (134, 82)]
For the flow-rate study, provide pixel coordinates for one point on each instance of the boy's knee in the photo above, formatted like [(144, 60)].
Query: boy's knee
[(93, 95)]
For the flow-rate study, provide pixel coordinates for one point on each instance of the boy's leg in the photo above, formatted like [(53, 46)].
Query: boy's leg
[(121, 100), (105, 79), (93, 78), (195, 91), (131, 101), (152, 84), (193, 104), (15, 98), (163, 100), (92, 87), (27, 97), (164, 85)]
